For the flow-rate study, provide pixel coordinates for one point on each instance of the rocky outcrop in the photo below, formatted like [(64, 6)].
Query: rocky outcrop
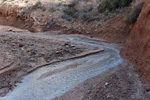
[(137, 46)]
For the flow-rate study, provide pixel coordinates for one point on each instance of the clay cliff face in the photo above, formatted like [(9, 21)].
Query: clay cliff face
[(137, 47)]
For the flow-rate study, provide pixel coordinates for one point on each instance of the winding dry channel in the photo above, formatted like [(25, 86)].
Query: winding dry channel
[(39, 85)]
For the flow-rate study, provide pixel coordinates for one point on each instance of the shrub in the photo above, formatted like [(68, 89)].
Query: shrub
[(100, 23), (72, 5), (86, 17), (106, 12), (133, 15), (52, 10), (71, 11), (36, 6), (111, 5)]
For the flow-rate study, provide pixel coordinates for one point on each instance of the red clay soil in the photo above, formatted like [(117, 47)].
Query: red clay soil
[(137, 46), (115, 30), (15, 22), (28, 25)]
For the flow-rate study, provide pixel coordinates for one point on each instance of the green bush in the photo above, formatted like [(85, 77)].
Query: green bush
[(72, 12), (52, 10), (100, 23), (133, 15), (112, 5), (37, 5), (106, 12)]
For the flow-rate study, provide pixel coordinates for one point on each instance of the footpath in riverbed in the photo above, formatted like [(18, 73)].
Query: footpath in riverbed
[(86, 78), (54, 80), (22, 52)]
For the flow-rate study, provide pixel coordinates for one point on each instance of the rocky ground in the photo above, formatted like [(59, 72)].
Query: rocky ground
[(21, 54)]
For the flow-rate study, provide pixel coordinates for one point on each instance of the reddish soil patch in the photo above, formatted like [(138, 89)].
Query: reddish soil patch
[(15, 22), (28, 25), (115, 30), (137, 47)]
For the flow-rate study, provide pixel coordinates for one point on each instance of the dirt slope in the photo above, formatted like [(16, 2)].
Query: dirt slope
[(119, 83), (115, 30), (137, 47)]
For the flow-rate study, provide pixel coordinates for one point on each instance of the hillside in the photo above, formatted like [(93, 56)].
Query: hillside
[(137, 46)]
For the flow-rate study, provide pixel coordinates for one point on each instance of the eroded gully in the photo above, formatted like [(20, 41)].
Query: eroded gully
[(39, 85)]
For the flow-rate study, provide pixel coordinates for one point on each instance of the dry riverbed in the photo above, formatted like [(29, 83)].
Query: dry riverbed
[(21, 54)]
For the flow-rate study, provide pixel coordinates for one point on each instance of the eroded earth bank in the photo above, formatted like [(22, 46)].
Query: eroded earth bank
[(56, 51)]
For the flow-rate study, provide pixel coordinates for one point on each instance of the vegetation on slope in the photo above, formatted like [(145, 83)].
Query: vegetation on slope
[(112, 5), (133, 15)]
